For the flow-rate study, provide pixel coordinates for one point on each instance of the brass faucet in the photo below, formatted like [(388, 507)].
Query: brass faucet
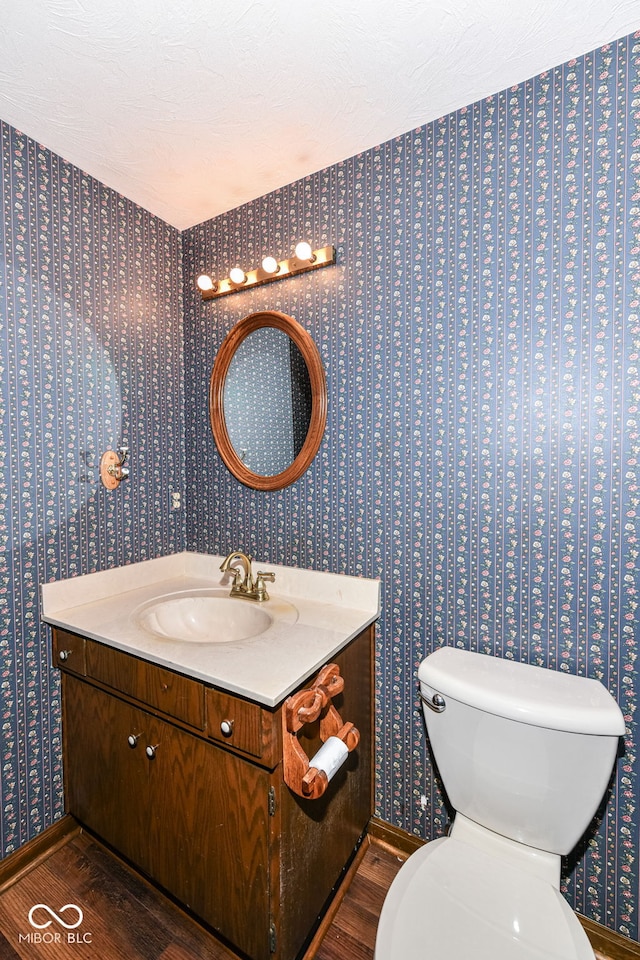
[(243, 585)]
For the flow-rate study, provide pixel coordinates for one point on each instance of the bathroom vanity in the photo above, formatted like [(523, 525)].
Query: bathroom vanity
[(182, 772)]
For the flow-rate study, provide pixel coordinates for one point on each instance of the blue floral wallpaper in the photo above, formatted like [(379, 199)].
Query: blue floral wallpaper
[(90, 358), (481, 337)]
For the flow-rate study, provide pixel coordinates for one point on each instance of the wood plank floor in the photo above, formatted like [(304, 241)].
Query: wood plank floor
[(125, 918), (351, 933)]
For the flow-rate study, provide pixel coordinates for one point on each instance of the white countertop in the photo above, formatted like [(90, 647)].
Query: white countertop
[(332, 610)]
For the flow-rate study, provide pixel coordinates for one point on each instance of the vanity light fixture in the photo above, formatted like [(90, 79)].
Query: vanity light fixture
[(304, 259)]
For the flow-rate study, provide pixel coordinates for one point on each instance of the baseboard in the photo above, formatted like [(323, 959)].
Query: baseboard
[(608, 944), (17, 864), (394, 837)]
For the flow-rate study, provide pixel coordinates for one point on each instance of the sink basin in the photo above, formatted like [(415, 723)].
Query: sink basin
[(210, 616)]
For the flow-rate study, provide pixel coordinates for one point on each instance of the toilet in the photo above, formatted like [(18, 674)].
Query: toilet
[(525, 755)]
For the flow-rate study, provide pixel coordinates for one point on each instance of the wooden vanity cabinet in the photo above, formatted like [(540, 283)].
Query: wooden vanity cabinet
[(186, 782), (192, 817)]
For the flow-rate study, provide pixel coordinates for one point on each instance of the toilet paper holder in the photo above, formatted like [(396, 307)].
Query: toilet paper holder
[(338, 738)]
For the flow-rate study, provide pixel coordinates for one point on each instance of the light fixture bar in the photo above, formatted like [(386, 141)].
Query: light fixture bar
[(323, 257)]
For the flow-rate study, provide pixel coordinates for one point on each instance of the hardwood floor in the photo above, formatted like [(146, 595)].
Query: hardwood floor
[(125, 918), (351, 932)]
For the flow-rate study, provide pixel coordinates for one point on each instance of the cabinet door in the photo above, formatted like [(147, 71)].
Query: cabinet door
[(209, 829), (106, 779)]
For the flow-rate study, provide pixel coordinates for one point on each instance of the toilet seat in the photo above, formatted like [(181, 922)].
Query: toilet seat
[(453, 900)]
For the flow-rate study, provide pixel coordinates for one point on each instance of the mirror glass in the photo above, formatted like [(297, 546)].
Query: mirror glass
[(268, 400), (267, 364)]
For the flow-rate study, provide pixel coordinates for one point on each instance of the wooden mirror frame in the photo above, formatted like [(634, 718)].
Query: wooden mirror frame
[(317, 421)]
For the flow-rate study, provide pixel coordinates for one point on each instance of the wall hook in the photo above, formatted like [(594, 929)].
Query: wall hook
[(112, 469)]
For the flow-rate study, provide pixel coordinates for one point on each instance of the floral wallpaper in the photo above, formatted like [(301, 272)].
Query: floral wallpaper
[(90, 358), (480, 334), (481, 339)]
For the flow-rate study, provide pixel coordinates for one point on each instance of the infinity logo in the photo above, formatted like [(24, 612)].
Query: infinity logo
[(55, 916)]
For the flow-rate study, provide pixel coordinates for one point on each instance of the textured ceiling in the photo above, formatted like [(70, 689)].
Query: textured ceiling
[(192, 107)]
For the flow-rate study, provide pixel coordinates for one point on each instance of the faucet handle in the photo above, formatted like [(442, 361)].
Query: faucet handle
[(260, 589)]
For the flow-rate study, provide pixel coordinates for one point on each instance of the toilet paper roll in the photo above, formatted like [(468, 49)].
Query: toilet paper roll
[(330, 757)]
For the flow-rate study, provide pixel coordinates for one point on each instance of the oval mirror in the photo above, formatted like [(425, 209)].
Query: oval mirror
[(268, 400)]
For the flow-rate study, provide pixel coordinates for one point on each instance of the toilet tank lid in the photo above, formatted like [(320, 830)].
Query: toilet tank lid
[(519, 691)]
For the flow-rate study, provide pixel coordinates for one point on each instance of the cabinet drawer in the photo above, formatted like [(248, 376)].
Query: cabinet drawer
[(174, 694), (243, 725), (69, 651)]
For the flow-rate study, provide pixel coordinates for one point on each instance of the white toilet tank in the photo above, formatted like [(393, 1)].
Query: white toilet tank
[(523, 751)]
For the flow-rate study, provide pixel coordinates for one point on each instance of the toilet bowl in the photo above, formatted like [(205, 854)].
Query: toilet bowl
[(525, 755)]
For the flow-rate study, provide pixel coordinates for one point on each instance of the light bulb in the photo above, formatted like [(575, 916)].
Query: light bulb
[(237, 275), (270, 265), (205, 282), (304, 251)]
